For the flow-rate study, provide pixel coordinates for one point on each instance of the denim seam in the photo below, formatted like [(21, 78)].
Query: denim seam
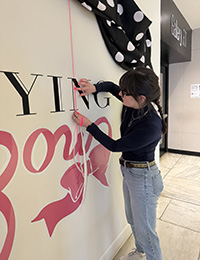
[(146, 212)]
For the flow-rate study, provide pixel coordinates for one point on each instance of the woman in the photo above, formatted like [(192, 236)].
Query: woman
[(141, 130)]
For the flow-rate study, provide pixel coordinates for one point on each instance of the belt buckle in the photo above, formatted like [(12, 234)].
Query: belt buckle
[(128, 164)]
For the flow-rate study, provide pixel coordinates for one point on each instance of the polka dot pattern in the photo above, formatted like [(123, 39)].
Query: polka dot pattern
[(130, 46), (119, 57), (108, 22), (120, 9), (111, 3), (142, 59), (148, 43), (138, 16), (87, 6), (125, 30), (133, 61), (101, 6), (139, 36)]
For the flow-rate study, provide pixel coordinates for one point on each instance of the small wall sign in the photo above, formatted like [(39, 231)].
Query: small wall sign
[(179, 34), (195, 91)]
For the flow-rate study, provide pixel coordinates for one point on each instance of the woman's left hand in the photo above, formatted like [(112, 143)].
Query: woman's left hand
[(81, 120)]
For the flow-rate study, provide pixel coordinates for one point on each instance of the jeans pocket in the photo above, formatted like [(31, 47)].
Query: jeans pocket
[(157, 184)]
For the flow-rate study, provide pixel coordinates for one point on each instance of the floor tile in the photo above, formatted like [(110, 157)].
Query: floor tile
[(178, 243), (182, 189), (127, 247), (191, 160), (162, 205), (186, 171), (168, 160), (183, 214), (164, 171)]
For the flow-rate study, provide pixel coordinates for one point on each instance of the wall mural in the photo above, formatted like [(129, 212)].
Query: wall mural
[(122, 20), (72, 180), (6, 207)]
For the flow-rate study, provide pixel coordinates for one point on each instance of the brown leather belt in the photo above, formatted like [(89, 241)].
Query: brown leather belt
[(129, 164)]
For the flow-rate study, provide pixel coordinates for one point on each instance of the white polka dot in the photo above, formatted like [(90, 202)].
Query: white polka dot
[(138, 16), (142, 59), (119, 27), (133, 61), (148, 43), (139, 36), (101, 6), (119, 57), (108, 22), (111, 3), (130, 46), (87, 6), (148, 67), (120, 9)]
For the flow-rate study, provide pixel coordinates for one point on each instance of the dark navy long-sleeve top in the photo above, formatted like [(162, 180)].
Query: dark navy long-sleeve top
[(139, 134)]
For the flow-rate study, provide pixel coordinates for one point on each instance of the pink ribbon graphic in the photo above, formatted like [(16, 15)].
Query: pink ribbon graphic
[(72, 179), (6, 207)]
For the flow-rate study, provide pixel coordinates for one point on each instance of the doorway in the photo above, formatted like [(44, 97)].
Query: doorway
[(164, 103)]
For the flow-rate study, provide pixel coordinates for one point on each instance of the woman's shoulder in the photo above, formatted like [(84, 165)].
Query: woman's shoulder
[(153, 118)]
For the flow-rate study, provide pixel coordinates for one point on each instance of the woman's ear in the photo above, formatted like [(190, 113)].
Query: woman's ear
[(141, 99)]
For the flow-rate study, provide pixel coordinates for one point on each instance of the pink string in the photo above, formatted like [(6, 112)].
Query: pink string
[(81, 121), (73, 71), (72, 52)]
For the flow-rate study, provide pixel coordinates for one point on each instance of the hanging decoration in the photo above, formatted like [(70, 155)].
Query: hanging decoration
[(125, 30)]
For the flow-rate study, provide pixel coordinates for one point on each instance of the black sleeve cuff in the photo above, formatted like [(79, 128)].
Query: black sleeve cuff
[(89, 127)]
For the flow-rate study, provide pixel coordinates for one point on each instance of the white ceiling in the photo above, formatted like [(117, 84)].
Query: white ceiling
[(190, 9)]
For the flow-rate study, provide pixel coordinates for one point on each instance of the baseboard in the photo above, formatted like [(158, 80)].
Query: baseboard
[(117, 244), (184, 152)]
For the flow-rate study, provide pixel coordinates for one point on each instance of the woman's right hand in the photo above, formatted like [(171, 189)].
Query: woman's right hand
[(86, 87)]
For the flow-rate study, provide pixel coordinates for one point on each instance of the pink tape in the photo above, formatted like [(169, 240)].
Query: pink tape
[(81, 121)]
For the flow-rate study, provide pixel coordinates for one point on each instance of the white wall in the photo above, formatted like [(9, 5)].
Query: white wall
[(35, 39), (184, 123)]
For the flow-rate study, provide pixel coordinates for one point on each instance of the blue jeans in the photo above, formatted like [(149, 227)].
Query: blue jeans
[(142, 188)]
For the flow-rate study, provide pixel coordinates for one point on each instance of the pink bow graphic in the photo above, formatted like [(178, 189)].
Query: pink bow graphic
[(72, 180)]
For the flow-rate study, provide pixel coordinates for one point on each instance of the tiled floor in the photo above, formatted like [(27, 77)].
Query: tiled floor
[(178, 214)]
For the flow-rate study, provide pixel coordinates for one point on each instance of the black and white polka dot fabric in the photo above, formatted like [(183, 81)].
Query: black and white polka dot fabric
[(125, 30)]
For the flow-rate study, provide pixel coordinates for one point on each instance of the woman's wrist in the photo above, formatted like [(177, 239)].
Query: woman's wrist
[(88, 125)]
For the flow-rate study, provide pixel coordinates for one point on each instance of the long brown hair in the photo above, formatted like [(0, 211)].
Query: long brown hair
[(143, 81)]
